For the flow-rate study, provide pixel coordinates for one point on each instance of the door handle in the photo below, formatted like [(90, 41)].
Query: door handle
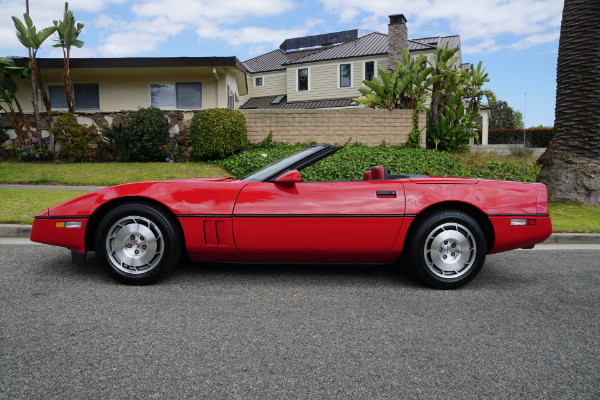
[(386, 193)]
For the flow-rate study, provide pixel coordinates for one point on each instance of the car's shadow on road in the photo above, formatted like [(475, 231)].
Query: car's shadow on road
[(493, 276), (188, 271)]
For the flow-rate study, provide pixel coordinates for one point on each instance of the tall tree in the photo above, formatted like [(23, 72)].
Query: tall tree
[(571, 164), (32, 39), (68, 31), (503, 116)]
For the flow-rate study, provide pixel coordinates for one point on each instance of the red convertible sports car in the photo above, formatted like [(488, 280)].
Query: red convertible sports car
[(443, 227)]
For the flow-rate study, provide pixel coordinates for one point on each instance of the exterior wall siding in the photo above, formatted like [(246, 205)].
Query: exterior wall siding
[(129, 88), (324, 80), (367, 126), (274, 83)]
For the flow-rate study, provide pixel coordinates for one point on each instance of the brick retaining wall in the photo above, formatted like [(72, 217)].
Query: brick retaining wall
[(367, 126)]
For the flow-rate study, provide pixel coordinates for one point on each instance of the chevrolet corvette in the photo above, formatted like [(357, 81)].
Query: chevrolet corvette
[(443, 227)]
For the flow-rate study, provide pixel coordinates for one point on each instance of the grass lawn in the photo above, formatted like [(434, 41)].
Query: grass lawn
[(19, 206), (103, 174), (575, 218)]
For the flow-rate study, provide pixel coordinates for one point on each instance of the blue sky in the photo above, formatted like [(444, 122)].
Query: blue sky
[(517, 40)]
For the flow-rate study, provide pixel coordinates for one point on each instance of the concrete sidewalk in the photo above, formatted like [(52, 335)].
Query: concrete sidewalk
[(15, 230)]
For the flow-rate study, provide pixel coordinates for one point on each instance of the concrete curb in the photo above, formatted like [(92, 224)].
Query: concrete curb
[(573, 238), (16, 230)]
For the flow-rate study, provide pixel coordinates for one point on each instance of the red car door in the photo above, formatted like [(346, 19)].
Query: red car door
[(312, 221)]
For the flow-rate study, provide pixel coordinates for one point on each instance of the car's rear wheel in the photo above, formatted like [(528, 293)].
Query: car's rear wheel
[(139, 243), (447, 249)]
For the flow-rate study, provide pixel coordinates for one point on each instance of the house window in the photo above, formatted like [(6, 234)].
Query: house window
[(86, 96), (303, 79), (345, 75), (369, 70), (258, 81), (230, 98), (180, 95), (56, 93)]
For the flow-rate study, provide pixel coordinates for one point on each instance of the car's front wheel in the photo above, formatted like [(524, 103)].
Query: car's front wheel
[(447, 249), (139, 243)]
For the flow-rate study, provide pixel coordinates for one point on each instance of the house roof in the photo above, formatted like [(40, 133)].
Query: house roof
[(274, 60), (369, 45), (432, 42), (138, 62), (266, 103)]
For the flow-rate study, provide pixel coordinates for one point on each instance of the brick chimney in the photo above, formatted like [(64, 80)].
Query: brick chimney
[(397, 38)]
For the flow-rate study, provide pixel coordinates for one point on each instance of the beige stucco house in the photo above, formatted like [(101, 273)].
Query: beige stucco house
[(117, 84)]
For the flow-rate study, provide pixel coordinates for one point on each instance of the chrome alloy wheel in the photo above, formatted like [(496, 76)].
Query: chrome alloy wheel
[(134, 244), (450, 250)]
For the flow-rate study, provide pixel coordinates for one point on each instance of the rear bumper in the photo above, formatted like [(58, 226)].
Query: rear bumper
[(510, 237), (45, 230)]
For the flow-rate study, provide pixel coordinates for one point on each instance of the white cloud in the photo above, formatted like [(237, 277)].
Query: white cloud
[(43, 13), (157, 21), (195, 11), (498, 23)]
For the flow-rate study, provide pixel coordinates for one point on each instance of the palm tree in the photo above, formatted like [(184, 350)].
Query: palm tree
[(8, 90), (68, 31), (32, 39), (571, 164)]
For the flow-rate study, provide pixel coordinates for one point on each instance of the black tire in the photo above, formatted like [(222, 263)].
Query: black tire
[(138, 243), (447, 249)]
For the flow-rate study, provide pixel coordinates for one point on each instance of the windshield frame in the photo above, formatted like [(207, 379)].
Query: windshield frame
[(299, 160)]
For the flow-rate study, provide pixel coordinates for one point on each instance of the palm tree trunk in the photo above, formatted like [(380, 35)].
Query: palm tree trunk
[(23, 118), (571, 164), (34, 100), (67, 80)]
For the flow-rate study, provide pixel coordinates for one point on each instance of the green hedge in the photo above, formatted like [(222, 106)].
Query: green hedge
[(536, 137), (217, 133), (351, 161), (148, 128)]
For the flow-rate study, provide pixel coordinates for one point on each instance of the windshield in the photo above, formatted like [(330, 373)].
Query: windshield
[(279, 166)]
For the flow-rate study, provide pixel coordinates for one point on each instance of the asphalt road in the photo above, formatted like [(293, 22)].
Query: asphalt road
[(527, 327)]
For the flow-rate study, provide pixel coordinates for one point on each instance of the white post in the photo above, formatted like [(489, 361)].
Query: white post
[(485, 117)]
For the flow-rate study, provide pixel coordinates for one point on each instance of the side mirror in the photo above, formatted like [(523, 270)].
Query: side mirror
[(289, 179)]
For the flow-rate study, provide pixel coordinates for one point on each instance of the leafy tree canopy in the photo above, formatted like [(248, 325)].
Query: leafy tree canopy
[(505, 117)]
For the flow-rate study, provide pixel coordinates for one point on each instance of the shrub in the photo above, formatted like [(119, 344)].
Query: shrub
[(217, 133), (506, 171), (34, 150), (351, 161), (117, 138), (79, 143), (536, 137), (147, 128)]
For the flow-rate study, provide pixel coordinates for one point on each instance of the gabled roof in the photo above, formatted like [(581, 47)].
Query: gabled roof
[(267, 103), (432, 42), (369, 45), (275, 59)]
